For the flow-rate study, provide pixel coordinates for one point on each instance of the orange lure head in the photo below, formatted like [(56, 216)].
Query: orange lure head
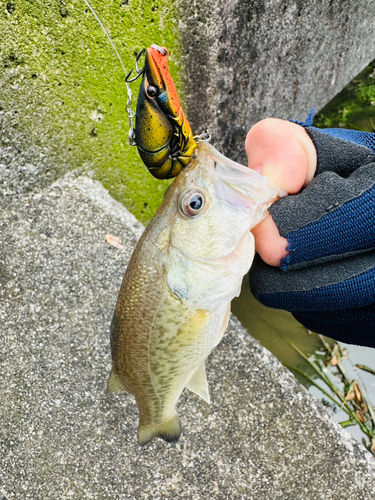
[(162, 133)]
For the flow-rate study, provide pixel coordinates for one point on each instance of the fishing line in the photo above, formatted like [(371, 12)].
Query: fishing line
[(106, 33), (128, 106)]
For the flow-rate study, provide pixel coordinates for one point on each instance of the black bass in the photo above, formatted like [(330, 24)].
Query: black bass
[(174, 302)]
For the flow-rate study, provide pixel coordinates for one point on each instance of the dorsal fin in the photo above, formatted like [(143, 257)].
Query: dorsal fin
[(198, 383)]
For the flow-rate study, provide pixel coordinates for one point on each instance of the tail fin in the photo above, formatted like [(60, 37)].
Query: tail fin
[(169, 430)]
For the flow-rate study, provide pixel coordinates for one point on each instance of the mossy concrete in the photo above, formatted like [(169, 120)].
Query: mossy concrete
[(63, 93)]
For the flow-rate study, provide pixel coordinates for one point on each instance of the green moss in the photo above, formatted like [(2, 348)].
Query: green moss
[(66, 87), (354, 107)]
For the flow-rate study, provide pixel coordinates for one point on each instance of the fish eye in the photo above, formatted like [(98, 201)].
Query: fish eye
[(152, 91), (192, 203)]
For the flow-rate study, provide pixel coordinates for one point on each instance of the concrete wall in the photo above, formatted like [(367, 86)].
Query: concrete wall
[(245, 60), (62, 94)]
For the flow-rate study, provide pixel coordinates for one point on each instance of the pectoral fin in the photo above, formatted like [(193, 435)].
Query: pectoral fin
[(223, 326), (198, 383), (114, 382)]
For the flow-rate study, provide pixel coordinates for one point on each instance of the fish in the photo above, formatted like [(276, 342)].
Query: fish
[(174, 303)]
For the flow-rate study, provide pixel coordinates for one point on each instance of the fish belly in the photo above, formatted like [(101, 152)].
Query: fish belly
[(157, 345)]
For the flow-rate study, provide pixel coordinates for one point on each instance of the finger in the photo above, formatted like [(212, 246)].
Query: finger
[(268, 242), (283, 152)]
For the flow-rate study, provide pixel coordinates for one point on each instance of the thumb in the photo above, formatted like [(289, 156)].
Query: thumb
[(285, 154)]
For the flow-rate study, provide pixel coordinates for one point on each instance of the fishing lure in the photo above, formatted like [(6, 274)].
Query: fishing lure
[(163, 134)]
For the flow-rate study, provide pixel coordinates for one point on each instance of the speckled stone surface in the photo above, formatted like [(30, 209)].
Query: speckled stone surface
[(62, 437)]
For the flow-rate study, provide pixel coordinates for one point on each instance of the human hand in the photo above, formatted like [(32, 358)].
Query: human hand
[(324, 234), (283, 152)]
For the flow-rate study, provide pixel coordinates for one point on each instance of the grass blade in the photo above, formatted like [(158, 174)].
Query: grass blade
[(347, 423), (366, 369)]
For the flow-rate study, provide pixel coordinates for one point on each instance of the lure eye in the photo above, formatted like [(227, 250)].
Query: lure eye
[(152, 91), (192, 203)]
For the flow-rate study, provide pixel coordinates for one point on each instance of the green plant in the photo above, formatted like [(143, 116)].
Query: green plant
[(353, 399)]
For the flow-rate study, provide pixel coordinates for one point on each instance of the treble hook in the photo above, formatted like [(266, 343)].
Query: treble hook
[(130, 80), (139, 71)]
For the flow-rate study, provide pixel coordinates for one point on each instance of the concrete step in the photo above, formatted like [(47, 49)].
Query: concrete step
[(63, 437)]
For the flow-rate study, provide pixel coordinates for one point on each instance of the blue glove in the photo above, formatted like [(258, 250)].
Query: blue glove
[(328, 279)]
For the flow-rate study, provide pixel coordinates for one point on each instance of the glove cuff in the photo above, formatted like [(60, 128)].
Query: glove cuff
[(342, 231), (353, 326)]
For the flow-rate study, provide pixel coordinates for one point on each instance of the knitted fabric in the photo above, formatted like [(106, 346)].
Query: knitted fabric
[(353, 326), (366, 139), (349, 228)]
